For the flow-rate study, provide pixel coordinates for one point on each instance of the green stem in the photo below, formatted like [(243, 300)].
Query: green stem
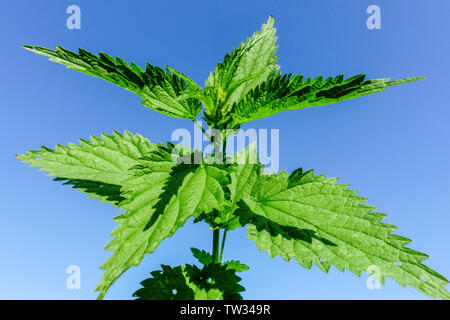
[(224, 148), (215, 254), (217, 258)]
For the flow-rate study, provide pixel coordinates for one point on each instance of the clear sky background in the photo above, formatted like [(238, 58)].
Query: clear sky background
[(392, 146)]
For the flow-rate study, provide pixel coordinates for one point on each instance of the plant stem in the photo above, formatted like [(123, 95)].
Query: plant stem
[(223, 245), (217, 258), (215, 254), (224, 148)]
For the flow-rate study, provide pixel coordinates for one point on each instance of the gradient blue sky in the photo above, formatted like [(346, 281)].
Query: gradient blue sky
[(392, 146)]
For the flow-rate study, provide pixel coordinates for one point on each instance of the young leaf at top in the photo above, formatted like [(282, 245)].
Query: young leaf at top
[(241, 70), (160, 197), (314, 219), (98, 167), (280, 93), (161, 89)]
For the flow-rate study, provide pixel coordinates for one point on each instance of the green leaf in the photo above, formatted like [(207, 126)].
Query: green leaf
[(314, 219), (281, 93), (236, 265), (159, 88), (243, 169), (243, 173), (98, 167), (206, 258), (166, 284), (160, 198), (242, 69), (202, 256), (212, 282)]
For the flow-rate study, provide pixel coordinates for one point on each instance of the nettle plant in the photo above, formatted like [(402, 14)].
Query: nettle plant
[(300, 216)]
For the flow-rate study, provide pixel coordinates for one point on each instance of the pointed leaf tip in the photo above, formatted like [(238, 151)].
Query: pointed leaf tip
[(402, 81)]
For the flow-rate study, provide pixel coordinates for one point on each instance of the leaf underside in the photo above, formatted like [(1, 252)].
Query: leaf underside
[(144, 179), (97, 167), (160, 89), (160, 197), (315, 220)]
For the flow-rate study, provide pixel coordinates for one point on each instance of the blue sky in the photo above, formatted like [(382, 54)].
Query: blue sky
[(392, 146)]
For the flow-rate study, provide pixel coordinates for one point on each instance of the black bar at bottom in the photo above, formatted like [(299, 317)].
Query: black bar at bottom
[(247, 309)]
